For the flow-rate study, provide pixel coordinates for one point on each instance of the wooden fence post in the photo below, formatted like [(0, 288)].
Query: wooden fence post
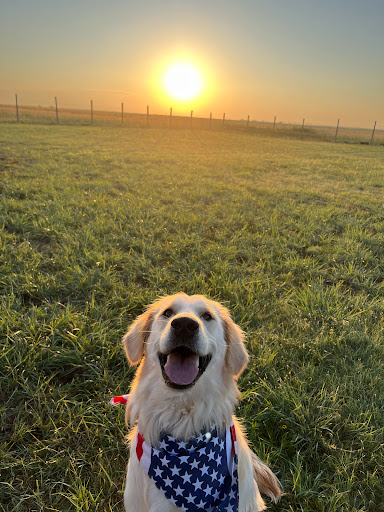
[(210, 121), (223, 119), (373, 132), (122, 114), (17, 110), (57, 111), (191, 117), (147, 116), (91, 112), (302, 126), (337, 129), (274, 122), (170, 118), (248, 122)]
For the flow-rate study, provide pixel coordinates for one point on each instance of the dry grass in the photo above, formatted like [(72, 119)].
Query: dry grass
[(47, 115)]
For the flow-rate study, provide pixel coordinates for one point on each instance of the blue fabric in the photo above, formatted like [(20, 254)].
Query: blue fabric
[(194, 475)]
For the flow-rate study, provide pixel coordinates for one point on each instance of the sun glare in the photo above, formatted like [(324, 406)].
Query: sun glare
[(183, 81)]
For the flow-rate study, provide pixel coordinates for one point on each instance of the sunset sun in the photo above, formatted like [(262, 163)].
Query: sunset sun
[(183, 81)]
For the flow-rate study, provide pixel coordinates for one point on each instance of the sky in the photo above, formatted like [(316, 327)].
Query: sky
[(321, 60)]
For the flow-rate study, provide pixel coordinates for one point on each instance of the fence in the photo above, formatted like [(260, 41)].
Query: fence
[(90, 117)]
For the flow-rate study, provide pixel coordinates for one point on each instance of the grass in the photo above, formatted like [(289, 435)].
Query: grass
[(97, 222), (77, 117)]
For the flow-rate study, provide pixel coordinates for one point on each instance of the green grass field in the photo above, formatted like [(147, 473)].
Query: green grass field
[(98, 222)]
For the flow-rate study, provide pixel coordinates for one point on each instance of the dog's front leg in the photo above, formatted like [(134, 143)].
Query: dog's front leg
[(136, 497), (159, 502), (250, 499), (141, 494), (135, 494)]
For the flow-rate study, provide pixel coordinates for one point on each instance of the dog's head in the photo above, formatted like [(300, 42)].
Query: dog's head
[(185, 337)]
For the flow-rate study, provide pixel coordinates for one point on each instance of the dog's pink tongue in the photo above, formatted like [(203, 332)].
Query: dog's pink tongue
[(182, 370)]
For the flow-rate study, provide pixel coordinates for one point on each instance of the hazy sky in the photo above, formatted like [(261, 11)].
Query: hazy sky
[(318, 59)]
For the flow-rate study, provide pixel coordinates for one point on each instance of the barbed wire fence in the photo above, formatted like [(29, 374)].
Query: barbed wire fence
[(91, 117)]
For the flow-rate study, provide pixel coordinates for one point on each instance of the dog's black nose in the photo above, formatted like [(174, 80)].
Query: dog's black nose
[(184, 326)]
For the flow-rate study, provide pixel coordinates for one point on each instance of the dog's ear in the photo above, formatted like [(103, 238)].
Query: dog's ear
[(136, 337), (237, 356)]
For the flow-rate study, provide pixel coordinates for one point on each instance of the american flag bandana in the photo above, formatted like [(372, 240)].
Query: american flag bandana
[(197, 475)]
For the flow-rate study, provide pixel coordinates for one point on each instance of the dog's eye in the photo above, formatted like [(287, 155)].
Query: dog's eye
[(168, 313), (207, 316)]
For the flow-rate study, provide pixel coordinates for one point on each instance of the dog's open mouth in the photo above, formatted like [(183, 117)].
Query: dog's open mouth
[(182, 367)]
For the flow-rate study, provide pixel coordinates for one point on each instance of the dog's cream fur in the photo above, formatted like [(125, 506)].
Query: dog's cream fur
[(184, 413)]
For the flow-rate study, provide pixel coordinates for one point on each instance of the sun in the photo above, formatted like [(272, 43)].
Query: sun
[(183, 81)]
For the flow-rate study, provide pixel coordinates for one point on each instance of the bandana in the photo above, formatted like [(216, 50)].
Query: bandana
[(117, 400), (197, 475)]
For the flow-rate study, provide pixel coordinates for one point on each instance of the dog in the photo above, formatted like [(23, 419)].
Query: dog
[(190, 354)]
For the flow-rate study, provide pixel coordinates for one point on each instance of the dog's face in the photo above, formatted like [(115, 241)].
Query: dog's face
[(185, 337)]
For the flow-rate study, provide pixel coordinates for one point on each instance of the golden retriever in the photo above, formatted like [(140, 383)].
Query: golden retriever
[(190, 353)]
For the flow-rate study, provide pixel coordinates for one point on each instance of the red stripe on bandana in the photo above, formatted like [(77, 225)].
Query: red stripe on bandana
[(139, 446), (233, 436), (118, 400)]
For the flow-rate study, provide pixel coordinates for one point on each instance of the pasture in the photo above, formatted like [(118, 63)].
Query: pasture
[(77, 117), (98, 222)]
